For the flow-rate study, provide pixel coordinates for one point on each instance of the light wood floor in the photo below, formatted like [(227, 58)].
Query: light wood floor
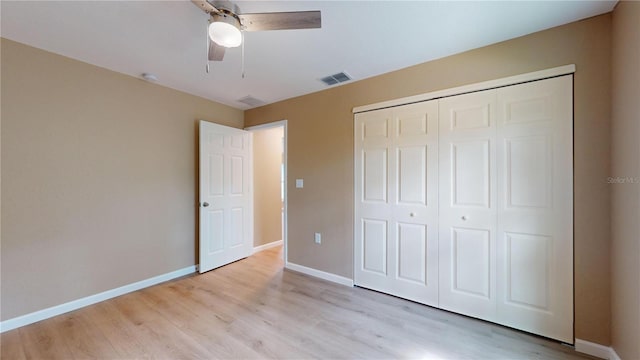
[(255, 309)]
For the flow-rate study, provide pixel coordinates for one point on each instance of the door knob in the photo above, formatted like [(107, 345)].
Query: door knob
[(205, 204), (412, 214), (464, 218)]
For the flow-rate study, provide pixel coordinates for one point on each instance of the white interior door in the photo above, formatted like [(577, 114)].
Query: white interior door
[(468, 204), (535, 207), (226, 201), (397, 201)]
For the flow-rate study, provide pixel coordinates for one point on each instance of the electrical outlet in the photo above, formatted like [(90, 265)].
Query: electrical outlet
[(317, 237)]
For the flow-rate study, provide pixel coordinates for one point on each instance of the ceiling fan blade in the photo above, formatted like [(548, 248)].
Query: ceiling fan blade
[(216, 52), (281, 20), (205, 6)]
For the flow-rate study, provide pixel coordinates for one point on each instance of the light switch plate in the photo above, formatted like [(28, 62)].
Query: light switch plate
[(299, 183)]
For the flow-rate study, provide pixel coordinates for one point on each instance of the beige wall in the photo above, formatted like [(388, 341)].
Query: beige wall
[(320, 150), (267, 202), (625, 145), (98, 178)]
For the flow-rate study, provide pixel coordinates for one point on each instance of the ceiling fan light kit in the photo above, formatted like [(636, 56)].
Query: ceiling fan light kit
[(224, 30), (226, 24)]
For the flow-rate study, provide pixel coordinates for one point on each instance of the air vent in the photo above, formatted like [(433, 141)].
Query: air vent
[(251, 101), (336, 78)]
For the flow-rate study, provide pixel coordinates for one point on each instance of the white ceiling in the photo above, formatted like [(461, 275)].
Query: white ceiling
[(363, 38)]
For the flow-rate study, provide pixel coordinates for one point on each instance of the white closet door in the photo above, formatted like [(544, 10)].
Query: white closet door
[(535, 207), (397, 201), (468, 204)]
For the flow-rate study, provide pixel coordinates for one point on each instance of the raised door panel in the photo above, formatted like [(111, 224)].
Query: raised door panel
[(237, 175), (237, 227), (375, 126), (412, 253), (528, 171), (527, 271), (412, 175), (465, 116), (374, 246), (470, 262), (215, 185), (215, 230), (470, 174), (375, 175)]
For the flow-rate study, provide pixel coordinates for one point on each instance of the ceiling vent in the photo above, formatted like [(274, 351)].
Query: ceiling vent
[(251, 101), (336, 78)]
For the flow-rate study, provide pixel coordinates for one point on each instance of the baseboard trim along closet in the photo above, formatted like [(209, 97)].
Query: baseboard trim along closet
[(36, 316), (597, 350), (267, 246), (319, 274)]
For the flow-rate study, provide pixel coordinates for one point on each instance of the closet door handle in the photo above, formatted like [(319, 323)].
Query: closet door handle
[(205, 204), (464, 218)]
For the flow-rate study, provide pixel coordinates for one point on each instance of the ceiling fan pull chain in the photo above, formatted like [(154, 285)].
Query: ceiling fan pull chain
[(207, 53), (242, 54)]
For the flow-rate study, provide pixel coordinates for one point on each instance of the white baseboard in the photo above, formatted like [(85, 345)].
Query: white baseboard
[(267, 246), (319, 274), (597, 350), (36, 316)]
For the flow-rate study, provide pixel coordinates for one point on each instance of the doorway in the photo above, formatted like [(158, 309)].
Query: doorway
[(270, 186)]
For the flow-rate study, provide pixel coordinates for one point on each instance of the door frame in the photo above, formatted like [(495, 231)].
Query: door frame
[(283, 124)]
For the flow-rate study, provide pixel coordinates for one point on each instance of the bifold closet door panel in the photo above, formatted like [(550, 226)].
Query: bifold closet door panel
[(396, 231), (535, 207), (468, 204)]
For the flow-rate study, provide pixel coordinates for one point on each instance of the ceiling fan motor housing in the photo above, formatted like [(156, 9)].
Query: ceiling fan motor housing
[(225, 6)]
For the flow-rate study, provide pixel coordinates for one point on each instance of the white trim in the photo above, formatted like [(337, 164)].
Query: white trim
[(614, 355), (319, 274), (91, 299), (597, 350), (267, 246), (511, 80)]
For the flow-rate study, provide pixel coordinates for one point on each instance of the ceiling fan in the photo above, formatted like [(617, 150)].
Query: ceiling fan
[(226, 24)]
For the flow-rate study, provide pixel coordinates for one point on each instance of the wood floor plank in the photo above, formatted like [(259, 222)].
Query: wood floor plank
[(255, 309), (84, 340), (43, 341), (209, 330), (244, 323), (122, 334), (156, 332), (11, 345)]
